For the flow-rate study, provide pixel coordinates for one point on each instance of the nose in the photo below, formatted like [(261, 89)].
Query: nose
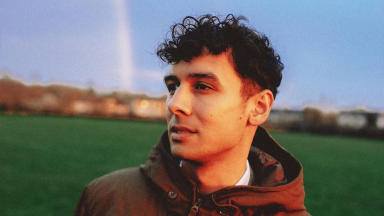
[(180, 102)]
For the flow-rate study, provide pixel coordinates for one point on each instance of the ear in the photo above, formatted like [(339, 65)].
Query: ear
[(261, 104)]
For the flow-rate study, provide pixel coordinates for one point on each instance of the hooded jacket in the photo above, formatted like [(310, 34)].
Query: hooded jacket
[(159, 187)]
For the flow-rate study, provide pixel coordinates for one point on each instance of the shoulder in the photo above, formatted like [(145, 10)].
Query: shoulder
[(118, 183), (119, 193), (119, 178)]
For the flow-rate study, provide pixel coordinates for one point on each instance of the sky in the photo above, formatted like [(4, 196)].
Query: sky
[(333, 50)]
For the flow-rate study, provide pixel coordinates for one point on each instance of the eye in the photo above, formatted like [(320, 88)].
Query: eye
[(201, 86), (172, 87)]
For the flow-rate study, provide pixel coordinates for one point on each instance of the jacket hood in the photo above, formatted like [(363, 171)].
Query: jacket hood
[(277, 184)]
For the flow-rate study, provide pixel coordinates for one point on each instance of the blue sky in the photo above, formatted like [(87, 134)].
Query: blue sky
[(333, 50)]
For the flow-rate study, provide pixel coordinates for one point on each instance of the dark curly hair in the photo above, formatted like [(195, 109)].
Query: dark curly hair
[(253, 56)]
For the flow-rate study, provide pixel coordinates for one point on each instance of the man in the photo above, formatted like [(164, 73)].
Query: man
[(214, 159)]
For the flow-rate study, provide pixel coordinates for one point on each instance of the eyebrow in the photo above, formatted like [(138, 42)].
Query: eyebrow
[(207, 75), (170, 78)]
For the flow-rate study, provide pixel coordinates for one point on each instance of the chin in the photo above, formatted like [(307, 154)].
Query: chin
[(182, 154), (179, 153)]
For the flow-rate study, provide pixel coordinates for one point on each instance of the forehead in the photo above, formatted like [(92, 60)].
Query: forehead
[(207, 66)]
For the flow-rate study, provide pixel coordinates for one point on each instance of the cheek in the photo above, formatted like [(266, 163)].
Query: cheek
[(229, 109), (223, 117)]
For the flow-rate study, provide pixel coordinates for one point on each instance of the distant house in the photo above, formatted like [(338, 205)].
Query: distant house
[(106, 107), (380, 121), (285, 118), (47, 102), (148, 108), (352, 120), (111, 107), (80, 107)]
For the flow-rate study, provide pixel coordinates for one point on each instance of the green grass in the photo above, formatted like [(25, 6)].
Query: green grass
[(47, 161), (342, 176)]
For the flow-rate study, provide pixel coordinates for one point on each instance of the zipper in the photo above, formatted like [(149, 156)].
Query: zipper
[(195, 208)]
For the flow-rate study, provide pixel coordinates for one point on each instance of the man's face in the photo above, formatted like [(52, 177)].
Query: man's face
[(206, 113)]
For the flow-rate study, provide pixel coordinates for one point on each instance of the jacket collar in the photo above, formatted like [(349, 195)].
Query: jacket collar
[(277, 178)]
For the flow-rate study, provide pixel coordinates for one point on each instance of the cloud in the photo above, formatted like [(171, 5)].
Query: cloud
[(125, 46)]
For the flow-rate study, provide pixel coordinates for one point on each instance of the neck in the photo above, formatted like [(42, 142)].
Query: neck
[(215, 175), (220, 171)]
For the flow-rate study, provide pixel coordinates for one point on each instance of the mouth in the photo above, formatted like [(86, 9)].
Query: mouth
[(182, 129), (181, 133)]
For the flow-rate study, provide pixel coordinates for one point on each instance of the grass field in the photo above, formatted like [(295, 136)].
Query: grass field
[(47, 161)]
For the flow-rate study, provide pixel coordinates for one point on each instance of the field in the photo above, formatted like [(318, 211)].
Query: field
[(47, 161)]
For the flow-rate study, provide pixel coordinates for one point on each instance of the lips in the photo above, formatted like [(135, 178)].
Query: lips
[(182, 129), (181, 133)]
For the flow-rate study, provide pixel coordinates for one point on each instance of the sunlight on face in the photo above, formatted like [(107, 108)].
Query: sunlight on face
[(205, 112)]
